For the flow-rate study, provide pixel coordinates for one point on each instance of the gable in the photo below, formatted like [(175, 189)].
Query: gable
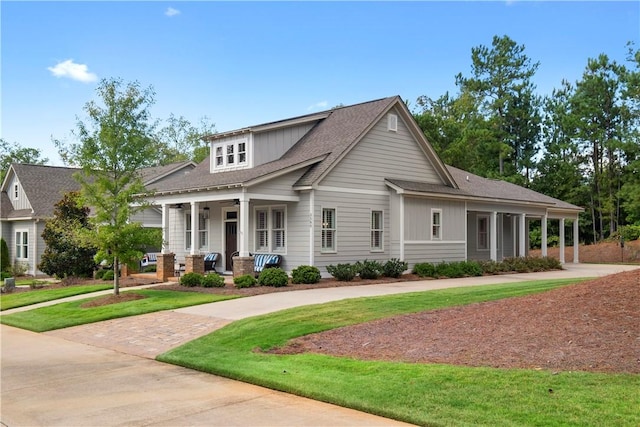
[(15, 192), (383, 153)]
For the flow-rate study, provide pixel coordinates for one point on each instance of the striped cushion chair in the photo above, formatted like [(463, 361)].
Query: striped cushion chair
[(210, 261), (262, 261)]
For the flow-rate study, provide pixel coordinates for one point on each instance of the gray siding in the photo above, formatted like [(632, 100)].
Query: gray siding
[(21, 202), (417, 219), (150, 217), (382, 154), (271, 145), (353, 230), (433, 252), (281, 186)]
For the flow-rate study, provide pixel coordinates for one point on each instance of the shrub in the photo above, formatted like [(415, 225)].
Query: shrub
[(150, 269), (99, 274), (108, 275), (449, 269), (369, 269), (424, 269), (275, 277), (212, 281), (191, 279), (244, 281), (471, 268), (394, 268), (305, 274), (343, 272), (5, 261)]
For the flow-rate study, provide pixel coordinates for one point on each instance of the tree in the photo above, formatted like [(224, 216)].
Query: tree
[(501, 84), (14, 153), (66, 254), (114, 144), (179, 140), (5, 260)]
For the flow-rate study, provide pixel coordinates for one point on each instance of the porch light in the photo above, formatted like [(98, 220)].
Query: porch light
[(206, 212), (236, 201)]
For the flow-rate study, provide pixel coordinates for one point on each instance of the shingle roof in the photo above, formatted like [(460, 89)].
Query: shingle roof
[(45, 186), (325, 143), (485, 188)]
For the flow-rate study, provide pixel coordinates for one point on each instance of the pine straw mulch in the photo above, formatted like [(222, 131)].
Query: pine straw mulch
[(591, 326)]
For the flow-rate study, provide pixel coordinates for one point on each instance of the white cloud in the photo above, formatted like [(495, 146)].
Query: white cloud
[(318, 105), (171, 12), (73, 71)]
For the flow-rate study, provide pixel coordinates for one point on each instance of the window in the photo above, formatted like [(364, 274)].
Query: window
[(392, 123), (376, 230), (187, 231), (436, 224), (328, 230), (262, 230), (15, 192), (278, 229), (230, 154), (203, 230), (483, 232), (22, 244), (271, 221)]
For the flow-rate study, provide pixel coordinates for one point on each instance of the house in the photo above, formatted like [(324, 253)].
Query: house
[(28, 197), (352, 183)]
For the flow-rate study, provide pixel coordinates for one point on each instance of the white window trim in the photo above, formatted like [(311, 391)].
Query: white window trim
[(372, 230), (18, 254), (478, 218), (204, 231), (269, 222), (333, 250), (226, 165), (187, 237), (392, 122), (439, 236)]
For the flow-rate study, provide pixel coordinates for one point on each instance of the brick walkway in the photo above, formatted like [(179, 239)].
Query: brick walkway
[(147, 335)]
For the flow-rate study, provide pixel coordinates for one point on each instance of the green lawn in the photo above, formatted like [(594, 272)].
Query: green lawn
[(68, 314), (423, 394), (21, 299)]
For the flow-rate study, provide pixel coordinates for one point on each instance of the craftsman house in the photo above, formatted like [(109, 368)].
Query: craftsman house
[(28, 196), (347, 184)]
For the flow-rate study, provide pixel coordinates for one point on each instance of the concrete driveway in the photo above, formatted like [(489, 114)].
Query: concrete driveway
[(104, 374)]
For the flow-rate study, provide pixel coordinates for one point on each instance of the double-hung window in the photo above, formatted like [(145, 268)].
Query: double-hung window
[(328, 230), (376, 231), (483, 232), (22, 244), (203, 231), (436, 224), (271, 228), (230, 154), (188, 228)]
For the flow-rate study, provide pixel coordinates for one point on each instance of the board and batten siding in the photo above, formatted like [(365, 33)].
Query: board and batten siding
[(419, 246), (383, 154), (353, 227), (20, 202), (271, 145)]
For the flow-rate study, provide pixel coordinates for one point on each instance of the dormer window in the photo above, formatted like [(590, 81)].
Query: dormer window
[(230, 154)]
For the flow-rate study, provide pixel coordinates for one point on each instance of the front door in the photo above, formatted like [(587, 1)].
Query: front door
[(231, 242)]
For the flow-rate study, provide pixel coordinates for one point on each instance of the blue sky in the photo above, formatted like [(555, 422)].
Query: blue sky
[(246, 63)]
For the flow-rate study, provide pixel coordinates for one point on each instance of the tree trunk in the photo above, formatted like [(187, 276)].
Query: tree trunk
[(116, 276)]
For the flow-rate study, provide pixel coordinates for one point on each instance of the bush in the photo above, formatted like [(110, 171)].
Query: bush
[(99, 274), (191, 279), (212, 281), (108, 275), (369, 269), (471, 268), (150, 269), (305, 274), (343, 272), (394, 268), (275, 277), (424, 269), (5, 261), (244, 281)]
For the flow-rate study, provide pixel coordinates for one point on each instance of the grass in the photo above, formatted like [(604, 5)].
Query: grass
[(423, 394), (21, 299), (68, 314)]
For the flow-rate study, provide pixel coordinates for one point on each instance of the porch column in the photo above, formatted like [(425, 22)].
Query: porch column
[(165, 228), (493, 239), (244, 227), (194, 226), (576, 240), (561, 240), (544, 235), (522, 235)]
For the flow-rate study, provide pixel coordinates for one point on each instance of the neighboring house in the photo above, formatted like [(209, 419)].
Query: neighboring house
[(28, 197), (348, 184)]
